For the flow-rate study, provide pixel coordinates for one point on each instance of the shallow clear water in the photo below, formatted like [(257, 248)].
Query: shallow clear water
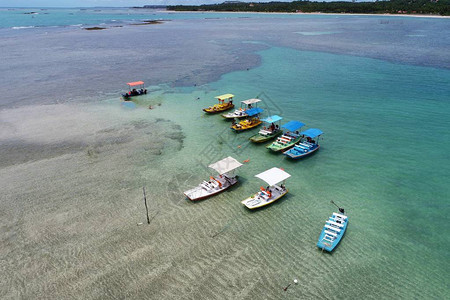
[(383, 157), (23, 18), (72, 176)]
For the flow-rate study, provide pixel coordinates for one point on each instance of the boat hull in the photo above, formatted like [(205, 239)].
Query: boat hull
[(127, 97), (328, 245), (294, 154), (246, 127), (277, 147), (258, 138), (256, 201), (235, 115), (200, 193), (218, 108)]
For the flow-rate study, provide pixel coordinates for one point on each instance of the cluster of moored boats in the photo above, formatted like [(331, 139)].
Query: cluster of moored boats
[(226, 178), (289, 140)]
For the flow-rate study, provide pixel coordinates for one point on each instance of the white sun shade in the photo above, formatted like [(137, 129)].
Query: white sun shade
[(273, 176), (251, 101), (225, 165)]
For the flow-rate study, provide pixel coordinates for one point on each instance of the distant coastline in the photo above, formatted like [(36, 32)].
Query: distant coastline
[(317, 13), (392, 7)]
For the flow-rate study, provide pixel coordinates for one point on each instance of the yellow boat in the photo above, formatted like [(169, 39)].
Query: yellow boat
[(250, 122), (225, 103)]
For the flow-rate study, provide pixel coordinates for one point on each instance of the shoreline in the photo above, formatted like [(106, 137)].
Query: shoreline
[(305, 13)]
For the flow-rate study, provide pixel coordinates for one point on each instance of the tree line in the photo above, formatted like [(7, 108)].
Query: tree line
[(435, 7)]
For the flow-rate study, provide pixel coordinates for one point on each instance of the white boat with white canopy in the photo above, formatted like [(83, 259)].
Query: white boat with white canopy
[(226, 178), (270, 194), (241, 112)]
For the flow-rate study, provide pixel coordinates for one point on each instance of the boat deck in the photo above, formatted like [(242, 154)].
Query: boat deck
[(236, 114), (285, 141), (209, 188), (263, 198), (301, 149), (332, 232)]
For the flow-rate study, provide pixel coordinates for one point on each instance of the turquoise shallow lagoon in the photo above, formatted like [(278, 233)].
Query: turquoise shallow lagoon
[(384, 157), (72, 176)]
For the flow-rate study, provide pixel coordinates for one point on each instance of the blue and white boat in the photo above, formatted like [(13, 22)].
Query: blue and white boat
[(332, 232), (307, 144)]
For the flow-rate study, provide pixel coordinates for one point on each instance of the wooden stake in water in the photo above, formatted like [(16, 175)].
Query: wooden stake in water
[(295, 281), (145, 202)]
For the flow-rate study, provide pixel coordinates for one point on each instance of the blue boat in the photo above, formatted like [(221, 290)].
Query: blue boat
[(307, 145), (332, 232)]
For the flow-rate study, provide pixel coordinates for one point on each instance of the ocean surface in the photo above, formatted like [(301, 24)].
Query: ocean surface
[(23, 18), (74, 158)]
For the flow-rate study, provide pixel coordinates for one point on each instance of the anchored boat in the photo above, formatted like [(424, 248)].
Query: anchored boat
[(250, 122), (216, 184), (225, 103), (307, 144), (289, 138), (241, 112), (135, 89), (270, 194), (268, 132), (332, 232)]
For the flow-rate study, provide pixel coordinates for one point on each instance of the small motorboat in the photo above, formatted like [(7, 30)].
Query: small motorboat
[(307, 145), (241, 112), (333, 231), (225, 103), (135, 89), (216, 184), (289, 138), (250, 122), (270, 194), (268, 132)]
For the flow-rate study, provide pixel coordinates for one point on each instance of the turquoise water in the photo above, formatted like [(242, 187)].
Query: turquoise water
[(22, 18), (384, 158), (72, 172)]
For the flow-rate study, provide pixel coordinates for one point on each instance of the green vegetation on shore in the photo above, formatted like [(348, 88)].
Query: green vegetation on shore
[(435, 7)]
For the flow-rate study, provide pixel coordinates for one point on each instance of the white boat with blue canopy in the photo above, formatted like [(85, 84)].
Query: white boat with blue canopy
[(270, 194), (250, 122), (308, 144), (289, 138), (225, 179), (272, 130), (332, 232), (242, 111)]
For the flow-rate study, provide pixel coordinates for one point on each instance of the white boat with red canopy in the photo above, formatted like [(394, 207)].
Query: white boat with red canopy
[(241, 112), (226, 178), (270, 194), (136, 88)]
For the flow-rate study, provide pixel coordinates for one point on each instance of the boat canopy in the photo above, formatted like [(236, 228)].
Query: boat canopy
[(135, 83), (293, 125), (273, 176), (254, 111), (225, 165), (251, 101), (312, 132), (224, 96), (272, 119)]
